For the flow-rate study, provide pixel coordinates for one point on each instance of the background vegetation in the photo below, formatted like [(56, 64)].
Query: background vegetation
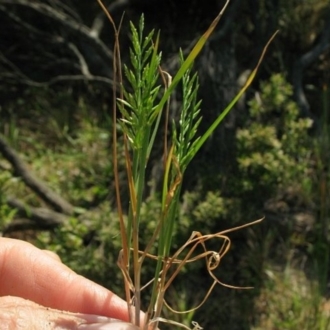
[(269, 158)]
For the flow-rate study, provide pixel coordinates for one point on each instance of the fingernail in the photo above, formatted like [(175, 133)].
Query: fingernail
[(115, 325)]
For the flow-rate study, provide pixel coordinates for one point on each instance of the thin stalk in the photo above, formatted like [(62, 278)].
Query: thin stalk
[(136, 219), (118, 74), (169, 224)]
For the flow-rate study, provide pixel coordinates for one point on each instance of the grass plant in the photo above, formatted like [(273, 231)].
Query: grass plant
[(144, 102)]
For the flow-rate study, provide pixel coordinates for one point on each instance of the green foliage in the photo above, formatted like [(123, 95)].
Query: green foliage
[(202, 212), (274, 147), (184, 134), (143, 79), (7, 214)]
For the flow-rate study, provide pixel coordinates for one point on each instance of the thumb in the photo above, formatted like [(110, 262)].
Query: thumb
[(19, 313)]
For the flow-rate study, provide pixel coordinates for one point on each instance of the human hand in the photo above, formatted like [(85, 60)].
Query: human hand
[(38, 292)]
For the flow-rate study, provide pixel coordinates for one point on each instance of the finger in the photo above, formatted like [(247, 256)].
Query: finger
[(110, 326), (28, 272), (18, 313), (53, 255)]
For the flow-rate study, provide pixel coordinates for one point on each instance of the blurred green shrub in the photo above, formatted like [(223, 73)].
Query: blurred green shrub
[(273, 147)]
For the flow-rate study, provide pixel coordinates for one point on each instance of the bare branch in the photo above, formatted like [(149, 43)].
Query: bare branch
[(82, 61), (66, 30), (38, 186), (40, 216), (77, 78), (21, 224), (64, 19), (16, 73)]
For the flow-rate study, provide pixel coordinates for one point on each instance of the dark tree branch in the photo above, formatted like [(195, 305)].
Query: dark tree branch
[(14, 73), (63, 19), (62, 6), (83, 64), (57, 79), (38, 186), (40, 216), (66, 46), (303, 63), (19, 225)]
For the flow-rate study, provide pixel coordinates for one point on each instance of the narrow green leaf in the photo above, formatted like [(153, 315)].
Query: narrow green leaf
[(198, 144), (190, 59)]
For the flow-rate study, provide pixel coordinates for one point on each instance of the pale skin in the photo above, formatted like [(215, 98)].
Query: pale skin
[(37, 291)]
